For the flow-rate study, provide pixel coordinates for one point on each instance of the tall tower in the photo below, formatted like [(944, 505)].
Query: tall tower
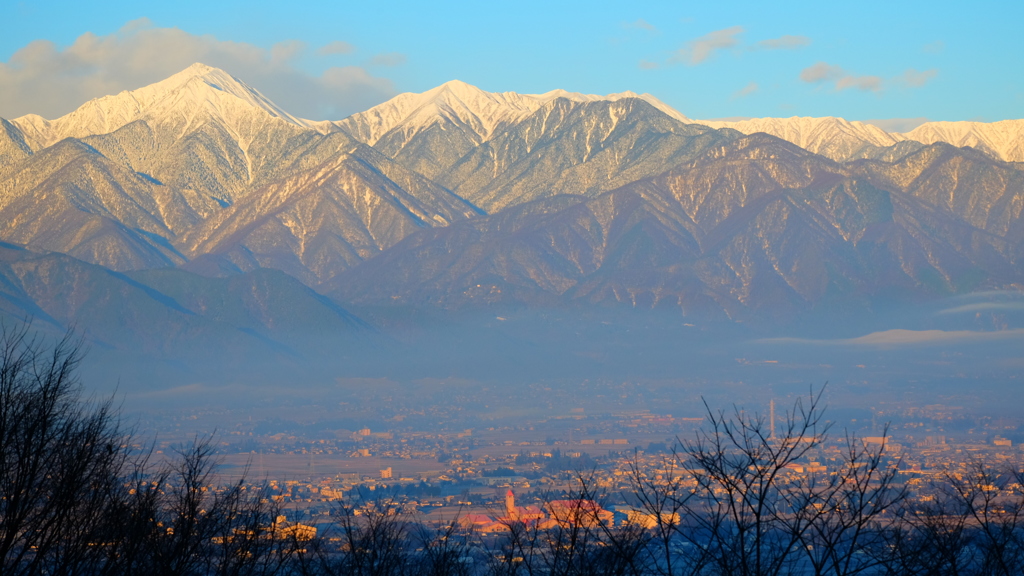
[(771, 419), (510, 505)]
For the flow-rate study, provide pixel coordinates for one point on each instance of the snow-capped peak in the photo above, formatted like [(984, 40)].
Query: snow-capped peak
[(810, 133), (198, 89), (578, 97), (469, 105), (205, 77)]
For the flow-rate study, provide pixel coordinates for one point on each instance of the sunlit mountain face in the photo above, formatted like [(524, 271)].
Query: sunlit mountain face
[(195, 214)]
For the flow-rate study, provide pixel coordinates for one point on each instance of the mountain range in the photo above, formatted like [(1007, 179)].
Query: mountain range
[(198, 205)]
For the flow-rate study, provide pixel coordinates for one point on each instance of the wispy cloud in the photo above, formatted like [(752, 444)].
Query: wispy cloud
[(336, 47), (822, 72), (648, 65), (825, 73), (746, 90), (935, 47), (51, 80), (700, 49), (899, 337), (786, 42), (984, 307), (641, 24), (390, 59), (864, 83), (915, 79)]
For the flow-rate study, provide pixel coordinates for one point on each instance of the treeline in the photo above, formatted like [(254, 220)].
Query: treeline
[(77, 499)]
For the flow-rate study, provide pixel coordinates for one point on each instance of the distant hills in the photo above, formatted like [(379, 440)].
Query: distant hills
[(196, 206)]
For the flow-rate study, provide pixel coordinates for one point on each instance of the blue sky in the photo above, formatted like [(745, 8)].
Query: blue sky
[(870, 60)]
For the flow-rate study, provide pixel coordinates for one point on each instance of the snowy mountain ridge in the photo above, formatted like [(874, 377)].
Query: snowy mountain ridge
[(467, 105), (842, 139), (202, 90), (458, 196), (811, 133), (1005, 138), (182, 98)]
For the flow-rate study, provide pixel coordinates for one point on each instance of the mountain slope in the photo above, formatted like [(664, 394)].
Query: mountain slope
[(13, 148), (986, 193), (70, 198), (1003, 140), (431, 131), (753, 227), (834, 138), (166, 311), (322, 220), (581, 148)]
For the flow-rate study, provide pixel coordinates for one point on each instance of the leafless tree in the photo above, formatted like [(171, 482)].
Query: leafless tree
[(373, 540), (61, 458), (728, 502), (848, 512), (665, 502), (518, 551), (75, 499), (970, 521), (747, 507), (443, 552), (993, 501)]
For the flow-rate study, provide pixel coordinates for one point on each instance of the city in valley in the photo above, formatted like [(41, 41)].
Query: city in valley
[(518, 463)]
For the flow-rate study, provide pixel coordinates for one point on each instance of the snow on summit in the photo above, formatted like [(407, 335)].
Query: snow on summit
[(201, 94), (467, 105), (195, 92), (837, 138)]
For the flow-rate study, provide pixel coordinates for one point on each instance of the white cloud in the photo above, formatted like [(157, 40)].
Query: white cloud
[(746, 90), (647, 65), (915, 79), (700, 49), (50, 80), (336, 47), (864, 83), (641, 24), (391, 59), (822, 72), (786, 42)]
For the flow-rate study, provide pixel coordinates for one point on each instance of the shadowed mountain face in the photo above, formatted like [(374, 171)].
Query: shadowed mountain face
[(169, 312), (986, 193), (197, 206)]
